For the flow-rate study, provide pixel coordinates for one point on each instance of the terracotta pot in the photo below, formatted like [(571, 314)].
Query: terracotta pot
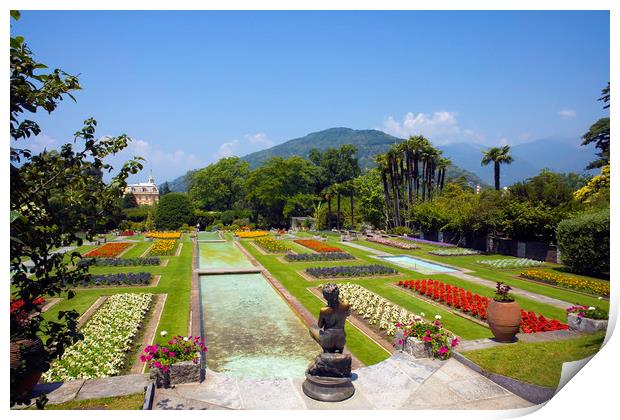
[(29, 351), (504, 319)]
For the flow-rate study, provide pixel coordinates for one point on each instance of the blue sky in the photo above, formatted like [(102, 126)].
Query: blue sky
[(191, 87)]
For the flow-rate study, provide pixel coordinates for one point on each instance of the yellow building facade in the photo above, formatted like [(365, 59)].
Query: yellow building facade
[(145, 192)]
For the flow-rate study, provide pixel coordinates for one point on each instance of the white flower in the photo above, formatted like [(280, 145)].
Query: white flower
[(600, 298), (185, 339), (438, 317), (422, 314), (591, 308), (163, 333)]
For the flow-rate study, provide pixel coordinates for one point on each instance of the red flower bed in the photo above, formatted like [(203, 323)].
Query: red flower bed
[(128, 233), (476, 305), (109, 250), (531, 323), (317, 246), (16, 305), (452, 296)]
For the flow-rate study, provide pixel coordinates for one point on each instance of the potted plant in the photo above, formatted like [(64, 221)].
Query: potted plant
[(503, 314), (587, 318), (423, 339), (177, 362)]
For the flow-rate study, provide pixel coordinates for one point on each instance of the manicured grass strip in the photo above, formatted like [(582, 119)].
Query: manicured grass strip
[(536, 363), (137, 250), (125, 402)]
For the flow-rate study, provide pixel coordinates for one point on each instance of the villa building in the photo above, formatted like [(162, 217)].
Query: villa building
[(145, 192)]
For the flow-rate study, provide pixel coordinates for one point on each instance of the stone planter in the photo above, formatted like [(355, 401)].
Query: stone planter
[(413, 346), (586, 325), (180, 373), (504, 319), (26, 366)]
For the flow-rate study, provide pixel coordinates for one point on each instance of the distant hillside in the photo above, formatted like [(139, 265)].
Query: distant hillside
[(368, 142), (529, 158)]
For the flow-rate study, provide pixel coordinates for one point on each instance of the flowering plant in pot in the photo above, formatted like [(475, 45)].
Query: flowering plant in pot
[(176, 362), (435, 341), (503, 314), (587, 318)]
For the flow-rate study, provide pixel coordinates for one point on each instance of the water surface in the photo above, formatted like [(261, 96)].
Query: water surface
[(416, 264), (221, 255)]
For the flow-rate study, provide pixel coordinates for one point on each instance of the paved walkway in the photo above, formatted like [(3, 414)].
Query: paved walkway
[(400, 382), (483, 282)]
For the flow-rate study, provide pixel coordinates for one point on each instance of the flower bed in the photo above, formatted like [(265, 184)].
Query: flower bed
[(322, 256), (389, 242), (475, 305), (597, 287), (511, 263), (163, 247), (108, 339), (454, 252), (116, 279), (251, 234), (163, 235), (317, 245), (452, 296), (375, 309), (109, 250), (118, 262), (350, 271), (426, 241), (17, 304), (271, 245), (128, 233)]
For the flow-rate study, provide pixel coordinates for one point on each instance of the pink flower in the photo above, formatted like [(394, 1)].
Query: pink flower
[(427, 339), (165, 350), (443, 350), (171, 354), (455, 342)]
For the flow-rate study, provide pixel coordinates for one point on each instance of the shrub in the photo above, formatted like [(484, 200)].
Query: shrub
[(118, 262), (117, 279), (173, 210), (584, 242), (400, 230)]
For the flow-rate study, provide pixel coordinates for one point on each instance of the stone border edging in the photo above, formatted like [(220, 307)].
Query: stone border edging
[(83, 319), (148, 397), (533, 393), (49, 303), (147, 250)]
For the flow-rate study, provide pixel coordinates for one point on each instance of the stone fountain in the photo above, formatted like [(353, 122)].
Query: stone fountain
[(328, 377)]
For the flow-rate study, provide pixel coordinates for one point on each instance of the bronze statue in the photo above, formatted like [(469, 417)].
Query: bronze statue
[(328, 377), (329, 332)]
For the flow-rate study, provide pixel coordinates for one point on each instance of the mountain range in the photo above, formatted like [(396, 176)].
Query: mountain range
[(559, 155)]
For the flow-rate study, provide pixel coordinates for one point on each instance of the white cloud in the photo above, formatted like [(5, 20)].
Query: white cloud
[(259, 139), (440, 127), (37, 144), (228, 149), (504, 141), (567, 113)]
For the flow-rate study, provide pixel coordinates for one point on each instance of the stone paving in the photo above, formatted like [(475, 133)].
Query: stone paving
[(399, 382)]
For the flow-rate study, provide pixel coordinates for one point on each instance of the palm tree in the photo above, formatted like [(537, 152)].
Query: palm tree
[(382, 162), (497, 155)]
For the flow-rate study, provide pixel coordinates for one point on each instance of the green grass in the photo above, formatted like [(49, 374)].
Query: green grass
[(124, 402), (137, 250), (536, 363)]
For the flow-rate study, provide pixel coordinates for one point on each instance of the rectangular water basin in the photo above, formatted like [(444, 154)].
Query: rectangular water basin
[(220, 255), (418, 265), (250, 330), (208, 236)]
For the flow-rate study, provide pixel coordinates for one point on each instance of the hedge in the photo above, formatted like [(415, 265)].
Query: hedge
[(584, 242)]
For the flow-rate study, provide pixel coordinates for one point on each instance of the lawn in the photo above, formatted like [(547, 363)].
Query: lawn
[(536, 363), (124, 402)]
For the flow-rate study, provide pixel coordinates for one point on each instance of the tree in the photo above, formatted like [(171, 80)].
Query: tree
[(277, 183), (371, 200), (497, 155), (129, 201), (550, 188), (56, 197), (173, 211), (599, 134), (165, 189), (219, 186)]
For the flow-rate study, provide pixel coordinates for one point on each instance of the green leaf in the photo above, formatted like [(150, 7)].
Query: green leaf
[(15, 14)]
